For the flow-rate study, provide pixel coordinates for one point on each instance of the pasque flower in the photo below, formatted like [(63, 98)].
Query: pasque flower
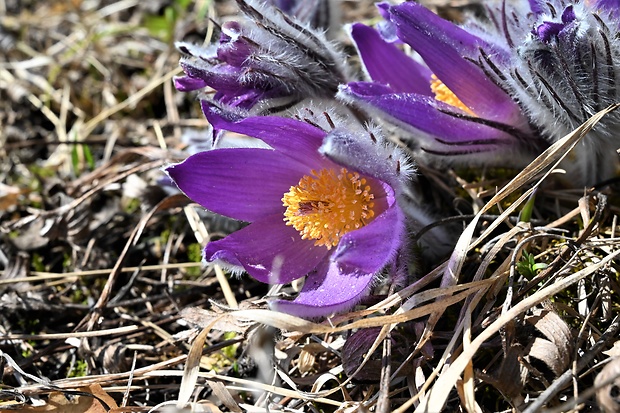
[(268, 61), (320, 202), (500, 90)]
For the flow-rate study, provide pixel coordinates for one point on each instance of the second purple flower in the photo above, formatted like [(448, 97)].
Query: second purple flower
[(498, 91)]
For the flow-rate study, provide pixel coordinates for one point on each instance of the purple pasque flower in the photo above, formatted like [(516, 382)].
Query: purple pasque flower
[(267, 61), (498, 91), (321, 203)]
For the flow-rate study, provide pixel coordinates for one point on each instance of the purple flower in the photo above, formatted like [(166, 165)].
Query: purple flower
[(321, 203), (267, 61), (498, 92)]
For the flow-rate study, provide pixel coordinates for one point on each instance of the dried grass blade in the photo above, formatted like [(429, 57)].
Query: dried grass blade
[(76, 334), (469, 396), (224, 395), (291, 323), (74, 275), (253, 385), (438, 394), (170, 202), (555, 153), (90, 126), (192, 366), (229, 295)]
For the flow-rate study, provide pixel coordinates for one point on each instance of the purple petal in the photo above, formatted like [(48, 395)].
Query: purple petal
[(443, 47), (568, 15), (222, 78), (188, 83), (233, 85), (268, 250), (287, 6), (387, 64), (421, 113), (384, 9), (234, 48), (612, 6), (537, 6), (386, 28), (244, 99), (369, 249), (548, 30), (242, 183), (327, 291), (411, 18), (296, 139)]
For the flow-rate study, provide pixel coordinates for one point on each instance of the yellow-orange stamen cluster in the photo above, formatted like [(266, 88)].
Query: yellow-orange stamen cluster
[(444, 94), (327, 204)]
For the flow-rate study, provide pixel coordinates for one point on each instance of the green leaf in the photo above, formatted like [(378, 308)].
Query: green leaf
[(528, 267), (88, 155), (159, 26), (528, 209)]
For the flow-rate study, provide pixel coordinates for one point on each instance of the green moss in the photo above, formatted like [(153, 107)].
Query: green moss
[(26, 353), (37, 262), (41, 171), (230, 351), (132, 206), (164, 236), (79, 369), (194, 254), (80, 296)]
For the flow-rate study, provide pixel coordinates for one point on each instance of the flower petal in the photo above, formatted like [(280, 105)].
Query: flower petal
[(268, 250), (537, 6), (386, 28), (415, 22), (418, 112), (444, 46), (329, 290), (612, 6), (242, 183), (369, 249), (296, 139), (213, 75), (387, 64), (188, 83)]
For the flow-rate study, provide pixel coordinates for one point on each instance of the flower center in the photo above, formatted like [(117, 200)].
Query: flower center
[(327, 204), (444, 94)]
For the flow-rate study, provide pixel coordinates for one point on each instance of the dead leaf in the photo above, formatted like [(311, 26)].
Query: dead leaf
[(58, 402), (9, 196), (354, 350), (553, 350), (201, 318), (614, 351), (222, 393), (607, 395), (551, 325), (113, 357), (357, 346)]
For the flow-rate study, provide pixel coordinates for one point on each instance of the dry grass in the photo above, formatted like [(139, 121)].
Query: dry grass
[(106, 307)]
